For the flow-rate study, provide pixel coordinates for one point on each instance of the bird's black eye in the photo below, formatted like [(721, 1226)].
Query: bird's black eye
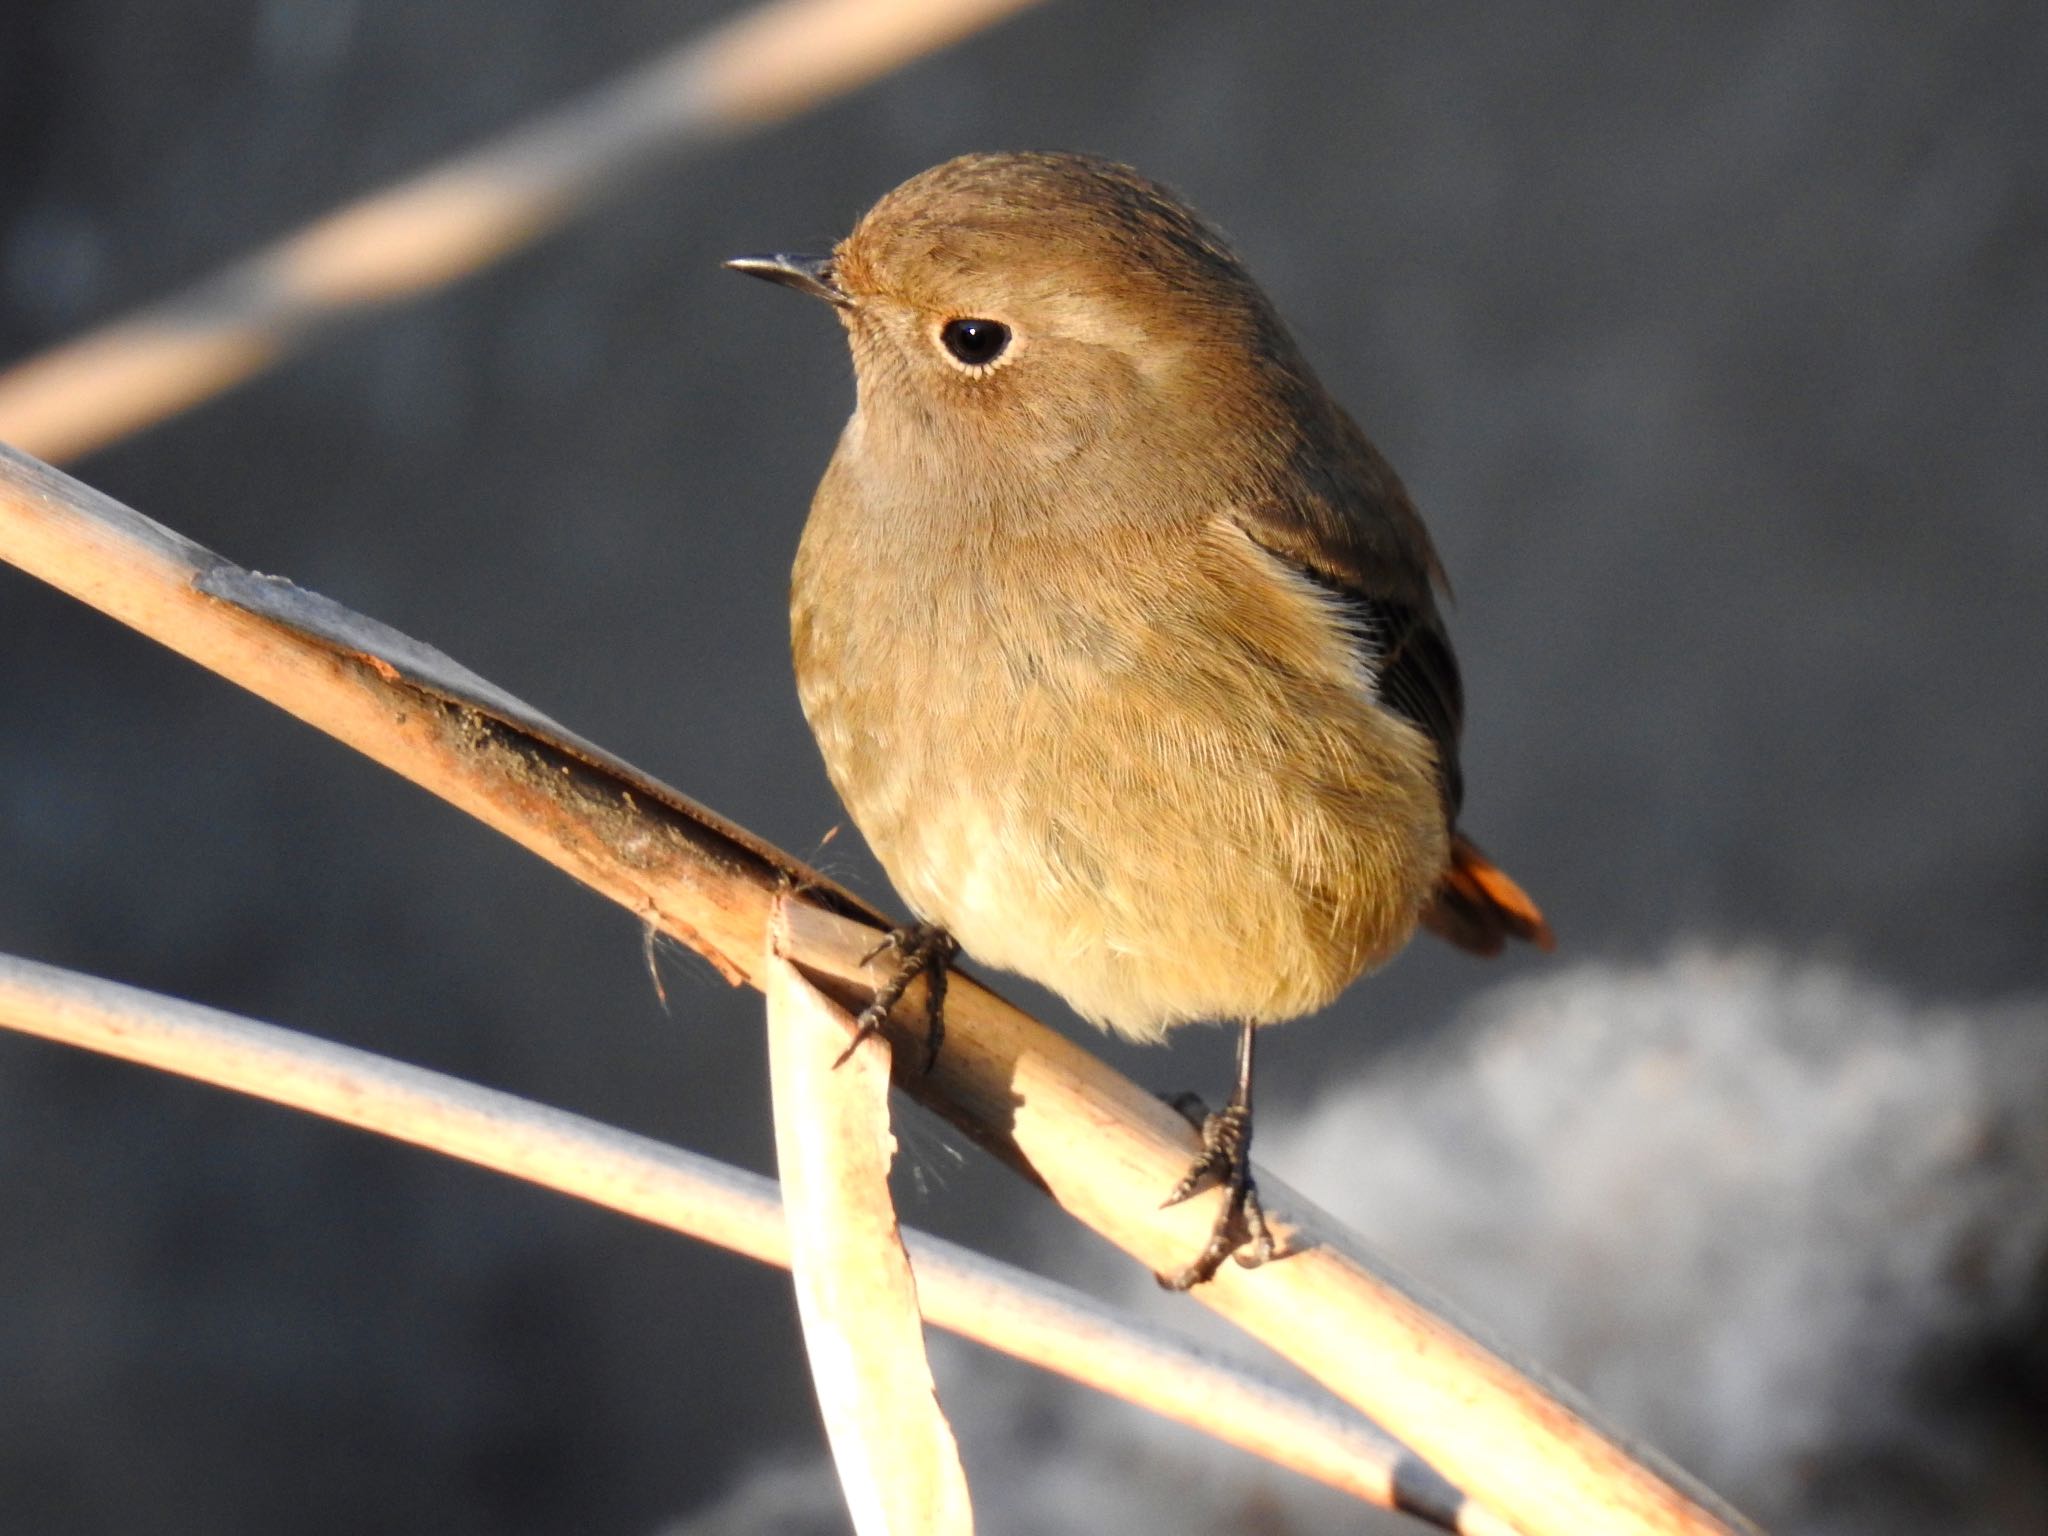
[(977, 343)]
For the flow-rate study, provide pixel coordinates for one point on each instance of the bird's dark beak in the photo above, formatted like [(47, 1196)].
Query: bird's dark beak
[(806, 274)]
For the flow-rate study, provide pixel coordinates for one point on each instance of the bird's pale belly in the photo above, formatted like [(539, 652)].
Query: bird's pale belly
[(1156, 849)]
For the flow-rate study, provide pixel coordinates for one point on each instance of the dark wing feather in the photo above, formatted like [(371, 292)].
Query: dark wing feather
[(1414, 671), (1417, 677)]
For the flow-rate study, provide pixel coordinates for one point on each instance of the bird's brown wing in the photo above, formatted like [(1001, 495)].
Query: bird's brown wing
[(1340, 515)]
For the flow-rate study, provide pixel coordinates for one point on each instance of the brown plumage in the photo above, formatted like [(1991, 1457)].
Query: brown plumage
[(1120, 640)]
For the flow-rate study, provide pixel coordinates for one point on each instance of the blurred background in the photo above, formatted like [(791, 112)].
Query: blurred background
[(1713, 343)]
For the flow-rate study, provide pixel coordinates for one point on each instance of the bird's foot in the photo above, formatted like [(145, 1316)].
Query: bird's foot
[(1241, 1227), (921, 949)]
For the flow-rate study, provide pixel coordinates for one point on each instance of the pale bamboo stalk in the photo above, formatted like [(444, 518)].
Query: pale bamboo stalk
[(457, 217), (1034, 1319), (898, 1462), (1104, 1148)]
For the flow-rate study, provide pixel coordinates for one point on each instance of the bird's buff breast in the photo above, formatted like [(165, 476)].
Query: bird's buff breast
[(1155, 836)]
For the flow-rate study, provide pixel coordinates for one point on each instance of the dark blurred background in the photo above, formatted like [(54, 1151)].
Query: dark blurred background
[(1713, 342)]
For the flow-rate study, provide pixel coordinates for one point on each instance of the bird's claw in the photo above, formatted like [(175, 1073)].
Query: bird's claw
[(1241, 1228), (921, 949)]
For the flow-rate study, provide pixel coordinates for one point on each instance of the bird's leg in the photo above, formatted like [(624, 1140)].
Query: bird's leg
[(921, 949), (1227, 1160)]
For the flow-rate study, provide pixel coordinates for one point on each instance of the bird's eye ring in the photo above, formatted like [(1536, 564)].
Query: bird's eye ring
[(975, 343)]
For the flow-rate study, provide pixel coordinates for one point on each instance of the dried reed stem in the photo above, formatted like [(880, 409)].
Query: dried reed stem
[(1101, 1146), (446, 222)]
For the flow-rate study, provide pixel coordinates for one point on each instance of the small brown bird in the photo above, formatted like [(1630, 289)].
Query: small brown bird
[(1117, 636)]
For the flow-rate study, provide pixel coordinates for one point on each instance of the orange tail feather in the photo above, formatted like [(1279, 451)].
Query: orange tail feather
[(1479, 908)]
